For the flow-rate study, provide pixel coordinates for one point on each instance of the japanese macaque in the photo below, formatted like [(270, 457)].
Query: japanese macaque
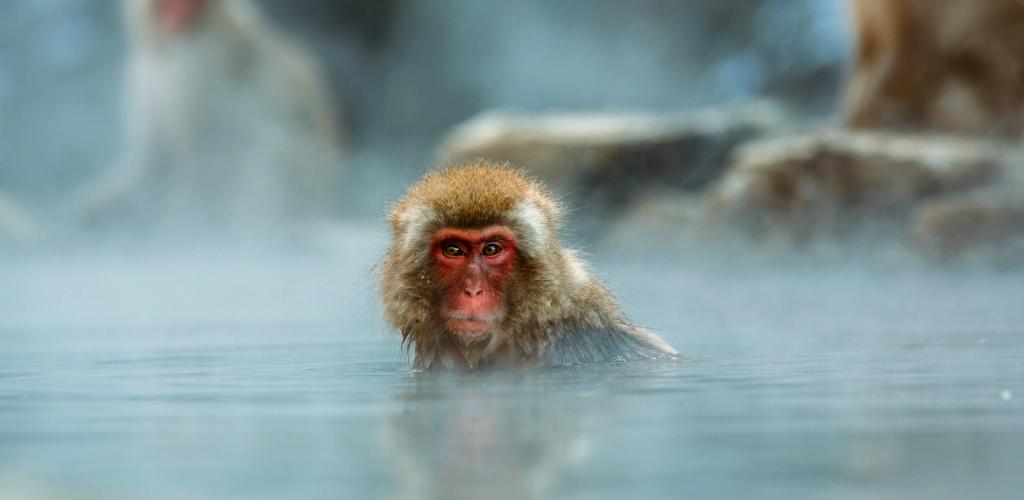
[(942, 65), (227, 123), (475, 276)]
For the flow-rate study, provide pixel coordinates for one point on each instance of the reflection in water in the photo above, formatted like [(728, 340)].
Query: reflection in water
[(498, 435), (270, 378)]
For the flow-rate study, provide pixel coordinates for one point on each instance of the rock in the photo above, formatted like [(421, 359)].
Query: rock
[(989, 221), (832, 181), (606, 159)]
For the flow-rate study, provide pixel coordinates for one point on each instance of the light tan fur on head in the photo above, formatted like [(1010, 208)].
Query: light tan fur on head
[(548, 294), (477, 195)]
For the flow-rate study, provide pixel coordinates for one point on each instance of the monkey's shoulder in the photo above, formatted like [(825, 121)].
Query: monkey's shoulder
[(607, 345)]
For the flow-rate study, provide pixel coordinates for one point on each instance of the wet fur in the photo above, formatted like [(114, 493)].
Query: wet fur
[(555, 313)]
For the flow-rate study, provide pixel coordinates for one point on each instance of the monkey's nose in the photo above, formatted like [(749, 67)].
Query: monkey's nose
[(473, 290)]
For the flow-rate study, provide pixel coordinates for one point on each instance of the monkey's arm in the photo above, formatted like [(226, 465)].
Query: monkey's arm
[(607, 346)]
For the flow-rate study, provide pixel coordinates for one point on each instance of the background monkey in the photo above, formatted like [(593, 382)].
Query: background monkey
[(475, 276), (943, 65), (226, 122)]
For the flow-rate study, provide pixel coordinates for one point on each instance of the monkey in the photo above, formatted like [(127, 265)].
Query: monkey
[(227, 122), (937, 65), (475, 277)]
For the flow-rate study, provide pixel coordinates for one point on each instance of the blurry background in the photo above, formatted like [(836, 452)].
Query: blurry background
[(839, 343), (404, 72)]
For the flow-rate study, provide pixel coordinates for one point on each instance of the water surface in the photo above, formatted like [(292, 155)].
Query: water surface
[(272, 376)]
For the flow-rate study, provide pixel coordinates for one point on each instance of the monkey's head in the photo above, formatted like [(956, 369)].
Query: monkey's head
[(174, 16), (468, 242), (166, 19)]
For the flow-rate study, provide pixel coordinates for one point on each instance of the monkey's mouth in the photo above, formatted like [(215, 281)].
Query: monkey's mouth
[(470, 327)]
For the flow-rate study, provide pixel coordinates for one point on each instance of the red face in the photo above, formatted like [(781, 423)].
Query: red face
[(474, 265), (174, 16)]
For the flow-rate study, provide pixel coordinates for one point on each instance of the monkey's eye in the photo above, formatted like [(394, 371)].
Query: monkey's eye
[(452, 250), (491, 249)]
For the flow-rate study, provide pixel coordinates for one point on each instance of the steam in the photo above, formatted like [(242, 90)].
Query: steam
[(427, 67), (266, 370)]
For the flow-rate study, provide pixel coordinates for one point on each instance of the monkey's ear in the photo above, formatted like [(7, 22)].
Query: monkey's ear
[(539, 216), (412, 225), (535, 230)]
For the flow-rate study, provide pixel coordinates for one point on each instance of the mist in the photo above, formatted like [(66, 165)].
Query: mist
[(405, 72), (209, 359)]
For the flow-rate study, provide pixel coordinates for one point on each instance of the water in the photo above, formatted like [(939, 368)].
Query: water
[(272, 376)]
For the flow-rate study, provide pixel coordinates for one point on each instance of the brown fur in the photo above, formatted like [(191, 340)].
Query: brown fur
[(549, 300), (473, 196), (945, 65)]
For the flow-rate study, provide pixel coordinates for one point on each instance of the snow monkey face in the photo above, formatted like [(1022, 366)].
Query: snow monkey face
[(474, 265)]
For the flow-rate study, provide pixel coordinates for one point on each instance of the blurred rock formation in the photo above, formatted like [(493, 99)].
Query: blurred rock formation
[(747, 170), (949, 72), (604, 160), (831, 182), (988, 222)]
